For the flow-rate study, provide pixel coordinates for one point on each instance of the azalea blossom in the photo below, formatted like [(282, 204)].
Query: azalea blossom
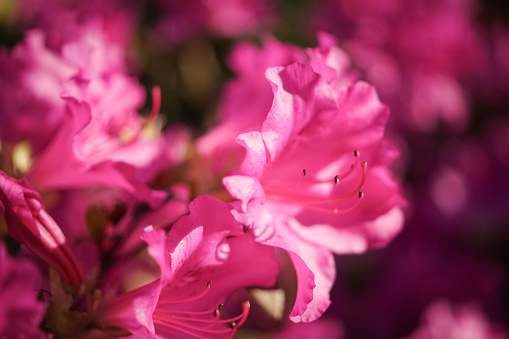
[(30, 86), (205, 258), (305, 185), (246, 100)]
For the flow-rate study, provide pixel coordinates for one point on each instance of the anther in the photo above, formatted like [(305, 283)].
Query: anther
[(336, 179), (209, 283), (361, 194), (220, 306), (216, 312), (355, 153), (233, 324), (304, 172)]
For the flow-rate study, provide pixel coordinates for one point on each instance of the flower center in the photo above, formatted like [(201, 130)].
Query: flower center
[(318, 195)]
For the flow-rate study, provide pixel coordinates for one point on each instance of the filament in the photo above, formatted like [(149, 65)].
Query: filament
[(169, 301), (335, 210), (205, 331), (306, 199)]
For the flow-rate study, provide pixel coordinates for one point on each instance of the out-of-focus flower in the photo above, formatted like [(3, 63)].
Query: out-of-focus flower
[(231, 18), (300, 184), (204, 259), (29, 223), (445, 321), (20, 312), (30, 86), (91, 109), (419, 55)]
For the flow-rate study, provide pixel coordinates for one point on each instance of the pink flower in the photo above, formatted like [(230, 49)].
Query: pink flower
[(300, 182), (20, 313), (30, 86), (204, 259), (445, 321), (247, 99), (29, 223), (78, 112), (102, 139)]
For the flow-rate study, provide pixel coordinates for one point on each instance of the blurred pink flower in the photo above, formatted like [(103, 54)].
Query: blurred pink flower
[(20, 312), (445, 321), (300, 184), (205, 258), (101, 139), (30, 85)]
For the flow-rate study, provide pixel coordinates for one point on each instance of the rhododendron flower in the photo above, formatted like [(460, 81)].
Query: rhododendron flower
[(89, 105), (103, 140), (30, 85), (445, 321), (205, 258), (20, 312), (300, 184), (29, 223), (247, 99)]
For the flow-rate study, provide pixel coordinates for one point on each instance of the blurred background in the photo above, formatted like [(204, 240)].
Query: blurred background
[(443, 69)]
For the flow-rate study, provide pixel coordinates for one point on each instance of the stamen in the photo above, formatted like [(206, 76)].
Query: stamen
[(177, 322), (245, 311), (209, 311), (336, 210), (306, 199), (176, 327), (169, 301), (355, 153), (364, 166)]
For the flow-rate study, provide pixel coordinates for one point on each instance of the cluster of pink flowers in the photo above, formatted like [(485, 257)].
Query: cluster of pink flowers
[(116, 222), (78, 161)]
